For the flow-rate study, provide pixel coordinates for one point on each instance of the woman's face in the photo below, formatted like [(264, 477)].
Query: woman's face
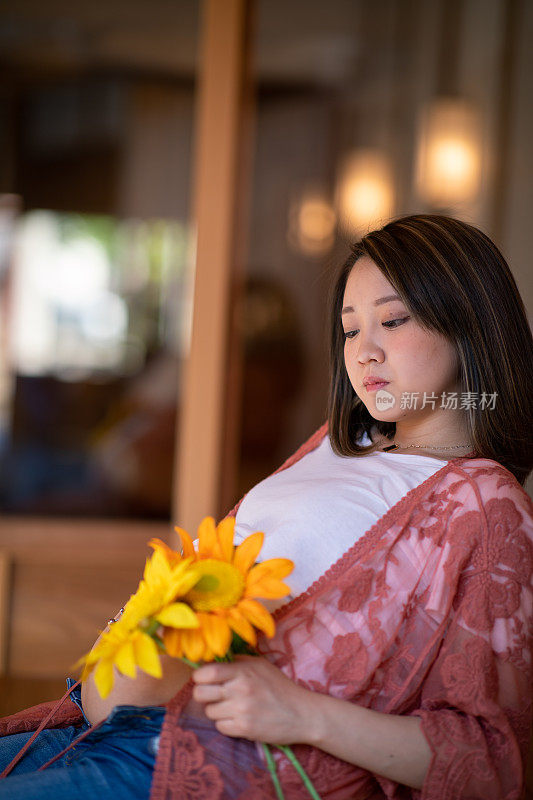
[(385, 341)]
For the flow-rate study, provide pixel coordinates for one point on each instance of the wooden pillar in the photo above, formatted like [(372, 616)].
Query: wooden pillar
[(5, 592), (200, 455)]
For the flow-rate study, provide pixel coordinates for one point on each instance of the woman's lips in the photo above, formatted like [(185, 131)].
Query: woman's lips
[(373, 387)]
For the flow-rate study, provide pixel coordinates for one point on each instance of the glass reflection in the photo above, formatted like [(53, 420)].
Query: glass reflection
[(96, 317)]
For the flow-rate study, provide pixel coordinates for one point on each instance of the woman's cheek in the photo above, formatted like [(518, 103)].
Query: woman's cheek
[(348, 362)]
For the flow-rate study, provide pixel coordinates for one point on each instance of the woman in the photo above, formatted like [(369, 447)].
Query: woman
[(401, 667)]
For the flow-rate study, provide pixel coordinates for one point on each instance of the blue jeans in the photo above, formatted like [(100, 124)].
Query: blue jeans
[(114, 762)]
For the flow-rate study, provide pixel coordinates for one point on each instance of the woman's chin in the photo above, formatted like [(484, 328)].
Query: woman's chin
[(382, 416)]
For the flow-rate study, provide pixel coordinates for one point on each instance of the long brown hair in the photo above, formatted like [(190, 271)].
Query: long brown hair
[(455, 281)]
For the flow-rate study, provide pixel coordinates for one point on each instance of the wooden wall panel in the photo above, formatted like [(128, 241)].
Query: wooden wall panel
[(66, 579)]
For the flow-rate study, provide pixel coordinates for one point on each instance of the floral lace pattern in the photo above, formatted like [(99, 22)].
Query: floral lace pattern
[(189, 777), (29, 719)]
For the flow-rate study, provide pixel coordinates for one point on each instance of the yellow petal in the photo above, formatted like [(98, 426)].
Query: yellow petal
[(157, 543), (81, 662), (247, 551), (225, 531), (171, 556), (241, 626), (267, 588), (88, 667), (157, 568), (91, 658), (257, 615), (103, 678), (263, 580), (86, 672), (146, 655), (217, 633), (207, 544), (149, 567), (273, 568), (208, 654), (130, 607), (193, 644), (178, 615), (186, 543), (125, 660), (184, 578), (172, 642)]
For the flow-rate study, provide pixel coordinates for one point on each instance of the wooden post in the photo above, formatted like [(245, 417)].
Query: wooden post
[(5, 593), (200, 459)]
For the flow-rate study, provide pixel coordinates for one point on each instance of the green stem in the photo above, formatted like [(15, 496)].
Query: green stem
[(300, 770), (193, 664), (151, 627), (272, 769)]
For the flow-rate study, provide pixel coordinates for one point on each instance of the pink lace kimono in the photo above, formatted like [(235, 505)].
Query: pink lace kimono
[(429, 613)]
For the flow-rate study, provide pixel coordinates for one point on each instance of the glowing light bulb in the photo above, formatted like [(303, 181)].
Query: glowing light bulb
[(312, 223), (448, 168), (365, 196)]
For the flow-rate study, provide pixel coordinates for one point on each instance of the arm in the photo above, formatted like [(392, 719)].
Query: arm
[(389, 745), (249, 692)]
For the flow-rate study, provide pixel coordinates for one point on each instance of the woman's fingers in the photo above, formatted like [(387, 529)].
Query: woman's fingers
[(224, 710), (253, 699), (209, 693), (211, 673)]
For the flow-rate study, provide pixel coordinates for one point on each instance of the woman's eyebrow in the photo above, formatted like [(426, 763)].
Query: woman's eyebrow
[(388, 299)]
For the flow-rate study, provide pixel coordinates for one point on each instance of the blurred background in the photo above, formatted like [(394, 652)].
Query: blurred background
[(178, 182)]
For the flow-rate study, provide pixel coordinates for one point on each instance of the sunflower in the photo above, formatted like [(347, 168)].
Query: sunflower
[(158, 592), (224, 596), (129, 642), (125, 649)]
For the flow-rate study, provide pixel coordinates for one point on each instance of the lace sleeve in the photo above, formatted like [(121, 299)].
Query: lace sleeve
[(476, 701), (29, 719)]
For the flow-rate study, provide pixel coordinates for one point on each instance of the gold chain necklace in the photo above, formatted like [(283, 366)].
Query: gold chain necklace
[(426, 446)]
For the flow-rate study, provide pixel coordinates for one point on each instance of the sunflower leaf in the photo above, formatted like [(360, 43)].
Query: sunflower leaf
[(241, 648)]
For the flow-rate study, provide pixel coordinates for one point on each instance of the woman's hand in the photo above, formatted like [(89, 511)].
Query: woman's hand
[(253, 699)]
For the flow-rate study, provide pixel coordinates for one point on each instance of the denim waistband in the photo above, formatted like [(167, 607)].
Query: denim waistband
[(75, 696)]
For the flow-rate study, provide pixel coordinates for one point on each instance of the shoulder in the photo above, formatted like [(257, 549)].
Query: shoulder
[(492, 514), (487, 479)]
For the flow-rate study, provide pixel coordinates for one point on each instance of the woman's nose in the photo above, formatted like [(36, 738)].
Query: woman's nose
[(369, 350)]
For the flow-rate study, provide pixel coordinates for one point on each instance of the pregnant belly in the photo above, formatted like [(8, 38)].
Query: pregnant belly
[(143, 690)]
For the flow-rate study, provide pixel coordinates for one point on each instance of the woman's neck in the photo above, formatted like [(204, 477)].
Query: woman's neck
[(439, 442)]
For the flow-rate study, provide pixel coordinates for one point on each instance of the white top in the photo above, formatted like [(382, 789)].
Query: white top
[(314, 511)]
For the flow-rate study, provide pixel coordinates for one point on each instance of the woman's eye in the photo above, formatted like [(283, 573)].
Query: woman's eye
[(394, 321), (390, 324)]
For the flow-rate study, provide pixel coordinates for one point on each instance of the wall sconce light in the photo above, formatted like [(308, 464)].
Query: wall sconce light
[(365, 195), (312, 222), (448, 168)]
